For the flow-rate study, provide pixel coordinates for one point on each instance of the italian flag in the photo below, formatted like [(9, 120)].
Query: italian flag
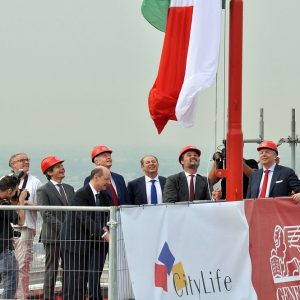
[(189, 60)]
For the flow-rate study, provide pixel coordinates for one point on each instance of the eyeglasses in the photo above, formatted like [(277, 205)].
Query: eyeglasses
[(22, 160)]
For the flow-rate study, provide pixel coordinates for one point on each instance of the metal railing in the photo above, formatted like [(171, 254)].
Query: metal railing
[(115, 279)]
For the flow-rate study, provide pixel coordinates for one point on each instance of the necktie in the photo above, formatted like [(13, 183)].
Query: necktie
[(114, 195), (97, 200), (192, 189), (97, 204), (264, 185), (153, 192), (62, 193)]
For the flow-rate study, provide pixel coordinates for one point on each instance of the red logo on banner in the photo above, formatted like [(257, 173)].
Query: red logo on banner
[(285, 256), (274, 247)]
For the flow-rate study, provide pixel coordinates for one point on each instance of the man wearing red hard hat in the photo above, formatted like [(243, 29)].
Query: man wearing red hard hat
[(53, 193), (188, 185), (272, 180), (117, 190)]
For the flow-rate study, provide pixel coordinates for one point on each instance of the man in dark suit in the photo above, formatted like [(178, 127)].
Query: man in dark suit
[(188, 185), (117, 191), (84, 239), (53, 193), (141, 190), (272, 180)]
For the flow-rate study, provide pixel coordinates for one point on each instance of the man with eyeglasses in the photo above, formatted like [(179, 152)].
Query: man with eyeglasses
[(272, 180), (24, 243)]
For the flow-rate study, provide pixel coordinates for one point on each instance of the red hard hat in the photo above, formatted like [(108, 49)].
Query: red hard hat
[(267, 145), (188, 148), (50, 161), (98, 150)]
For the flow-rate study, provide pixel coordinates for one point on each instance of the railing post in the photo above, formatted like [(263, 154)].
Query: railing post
[(112, 272)]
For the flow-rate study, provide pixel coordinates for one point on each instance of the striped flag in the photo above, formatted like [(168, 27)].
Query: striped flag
[(188, 62)]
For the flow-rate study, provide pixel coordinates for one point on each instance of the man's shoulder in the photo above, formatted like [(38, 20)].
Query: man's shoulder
[(136, 180), (284, 169), (68, 185), (116, 175), (45, 186), (34, 179), (176, 176)]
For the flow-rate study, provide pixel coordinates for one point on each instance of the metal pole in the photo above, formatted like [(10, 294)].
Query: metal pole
[(112, 273), (293, 138), (261, 125), (234, 151)]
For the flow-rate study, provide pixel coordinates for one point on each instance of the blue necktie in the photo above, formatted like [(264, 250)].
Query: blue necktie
[(153, 192)]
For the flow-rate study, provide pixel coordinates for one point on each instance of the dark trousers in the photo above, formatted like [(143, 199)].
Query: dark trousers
[(82, 272), (52, 255)]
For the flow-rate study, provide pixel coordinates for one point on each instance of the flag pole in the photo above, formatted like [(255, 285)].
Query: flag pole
[(234, 145)]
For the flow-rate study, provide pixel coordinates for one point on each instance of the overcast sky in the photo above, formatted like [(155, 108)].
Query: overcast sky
[(74, 74)]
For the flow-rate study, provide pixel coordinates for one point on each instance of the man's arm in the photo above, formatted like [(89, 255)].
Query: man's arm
[(249, 166), (130, 189), (170, 193)]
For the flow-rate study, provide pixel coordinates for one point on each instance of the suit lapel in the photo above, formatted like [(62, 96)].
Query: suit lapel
[(198, 187), (184, 186), (256, 182), (55, 192), (91, 196), (161, 182), (275, 177), (142, 185)]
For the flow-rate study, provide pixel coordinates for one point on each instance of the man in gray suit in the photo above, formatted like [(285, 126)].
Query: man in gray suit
[(55, 193), (188, 185)]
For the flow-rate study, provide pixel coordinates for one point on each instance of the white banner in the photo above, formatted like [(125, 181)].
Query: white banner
[(196, 251)]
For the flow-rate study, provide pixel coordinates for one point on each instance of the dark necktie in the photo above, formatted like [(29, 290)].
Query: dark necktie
[(97, 204), (153, 192), (114, 195), (62, 193), (97, 199), (264, 185), (192, 189)]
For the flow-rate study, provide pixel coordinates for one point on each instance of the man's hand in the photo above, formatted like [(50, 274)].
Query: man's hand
[(296, 198), (217, 194), (105, 236)]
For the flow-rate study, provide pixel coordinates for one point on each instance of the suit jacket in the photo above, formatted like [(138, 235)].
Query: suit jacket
[(120, 185), (284, 181), (82, 229), (137, 190), (176, 188), (52, 220)]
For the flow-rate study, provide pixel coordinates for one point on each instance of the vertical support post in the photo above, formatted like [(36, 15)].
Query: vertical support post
[(112, 273), (234, 147), (293, 139), (261, 125)]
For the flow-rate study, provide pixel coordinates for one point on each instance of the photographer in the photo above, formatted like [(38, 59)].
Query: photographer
[(249, 166), (8, 263), (23, 243)]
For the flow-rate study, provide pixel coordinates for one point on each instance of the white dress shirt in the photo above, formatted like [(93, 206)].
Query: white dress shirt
[(157, 186), (270, 175)]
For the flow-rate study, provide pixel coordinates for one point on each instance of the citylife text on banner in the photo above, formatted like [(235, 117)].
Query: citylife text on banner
[(196, 251)]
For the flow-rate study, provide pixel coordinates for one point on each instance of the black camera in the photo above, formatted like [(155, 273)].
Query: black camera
[(19, 174), (16, 233), (15, 198), (220, 157)]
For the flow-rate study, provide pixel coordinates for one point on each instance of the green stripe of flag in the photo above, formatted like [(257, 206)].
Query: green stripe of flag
[(156, 12)]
